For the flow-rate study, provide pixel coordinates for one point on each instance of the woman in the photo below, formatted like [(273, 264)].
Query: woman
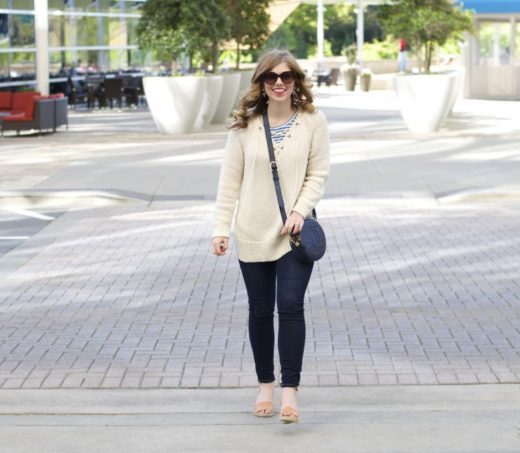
[(270, 270)]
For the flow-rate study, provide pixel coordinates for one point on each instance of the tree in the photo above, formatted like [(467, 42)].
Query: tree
[(425, 24), (249, 23), (302, 23), (158, 29), (206, 25), (341, 24), (171, 27), (298, 32)]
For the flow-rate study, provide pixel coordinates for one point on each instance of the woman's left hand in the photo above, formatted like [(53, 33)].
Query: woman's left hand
[(294, 223)]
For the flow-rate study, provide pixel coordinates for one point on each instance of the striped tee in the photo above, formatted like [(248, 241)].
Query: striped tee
[(278, 132)]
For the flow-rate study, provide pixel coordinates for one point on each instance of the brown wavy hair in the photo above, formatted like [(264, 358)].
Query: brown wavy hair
[(252, 103)]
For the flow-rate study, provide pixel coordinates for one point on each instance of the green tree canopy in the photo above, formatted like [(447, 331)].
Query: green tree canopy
[(298, 32), (249, 23), (170, 27), (425, 24)]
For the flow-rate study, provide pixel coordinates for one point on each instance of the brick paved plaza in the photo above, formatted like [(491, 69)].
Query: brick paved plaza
[(126, 297)]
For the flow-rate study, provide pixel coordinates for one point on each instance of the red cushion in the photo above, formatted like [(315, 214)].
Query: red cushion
[(21, 99), (56, 96), (5, 100), (17, 117)]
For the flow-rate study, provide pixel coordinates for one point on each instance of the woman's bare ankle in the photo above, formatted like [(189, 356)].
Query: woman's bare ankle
[(289, 396)]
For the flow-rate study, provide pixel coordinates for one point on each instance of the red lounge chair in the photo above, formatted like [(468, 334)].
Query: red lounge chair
[(37, 114), (21, 99)]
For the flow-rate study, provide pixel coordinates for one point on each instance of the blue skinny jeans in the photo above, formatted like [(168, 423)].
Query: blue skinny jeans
[(284, 280)]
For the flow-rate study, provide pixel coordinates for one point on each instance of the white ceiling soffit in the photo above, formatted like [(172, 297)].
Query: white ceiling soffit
[(279, 10)]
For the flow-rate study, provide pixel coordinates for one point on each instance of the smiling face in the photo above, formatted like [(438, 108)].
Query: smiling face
[(280, 91)]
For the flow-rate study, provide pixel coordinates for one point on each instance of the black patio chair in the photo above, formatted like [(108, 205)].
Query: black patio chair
[(131, 90), (77, 92), (95, 91), (113, 90)]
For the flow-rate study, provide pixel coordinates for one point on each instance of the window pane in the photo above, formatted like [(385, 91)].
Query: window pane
[(101, 6), (4, 30), (93, 31), (17, 4), (132, 30), (118, 60), (517, 46), (137, 59), (117, 32), (494, 38), (22, 30), (74, 31), (23, 65), (56, 31), (4, 66)]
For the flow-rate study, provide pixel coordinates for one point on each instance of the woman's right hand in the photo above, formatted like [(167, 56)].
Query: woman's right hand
[(219, 245)]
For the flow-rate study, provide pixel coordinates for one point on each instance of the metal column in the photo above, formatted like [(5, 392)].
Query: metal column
[(320, 33), (360, 32)]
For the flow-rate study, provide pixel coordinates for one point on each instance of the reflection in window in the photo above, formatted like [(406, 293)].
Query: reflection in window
[(517, 45), (93, 6), (23, 65), (97, 60), (131, 24), (22, 30), (4, 30), (494, 41), (4, 66), (17, 4)]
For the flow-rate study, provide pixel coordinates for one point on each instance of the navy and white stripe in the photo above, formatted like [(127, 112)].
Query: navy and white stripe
[(278, 132)]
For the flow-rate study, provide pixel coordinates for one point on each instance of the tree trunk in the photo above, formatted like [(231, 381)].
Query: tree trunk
[(190, 59), (238, 56), (174, 64), (428, 64), (419, 57), (214, 56)]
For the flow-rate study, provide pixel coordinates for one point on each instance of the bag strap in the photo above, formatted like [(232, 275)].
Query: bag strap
[(274, 169)]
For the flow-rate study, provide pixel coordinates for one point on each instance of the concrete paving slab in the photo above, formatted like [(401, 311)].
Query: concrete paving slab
[(373, 156), (344, 419)]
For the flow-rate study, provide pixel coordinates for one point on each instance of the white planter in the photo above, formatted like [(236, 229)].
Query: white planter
[(210, 102), (228, 97), (459, 82), (424, 99), (174, 102)]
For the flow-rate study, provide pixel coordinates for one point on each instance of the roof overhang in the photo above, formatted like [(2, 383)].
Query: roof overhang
[(492, 6)]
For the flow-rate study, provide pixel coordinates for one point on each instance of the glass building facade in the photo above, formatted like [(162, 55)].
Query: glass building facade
[(99, 35), (492, 57)]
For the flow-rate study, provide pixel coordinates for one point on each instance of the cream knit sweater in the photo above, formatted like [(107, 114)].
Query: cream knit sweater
[(303, 167)]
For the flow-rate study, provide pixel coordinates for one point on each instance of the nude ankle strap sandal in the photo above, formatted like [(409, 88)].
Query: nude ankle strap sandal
[(264, 408), (289, 414)]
